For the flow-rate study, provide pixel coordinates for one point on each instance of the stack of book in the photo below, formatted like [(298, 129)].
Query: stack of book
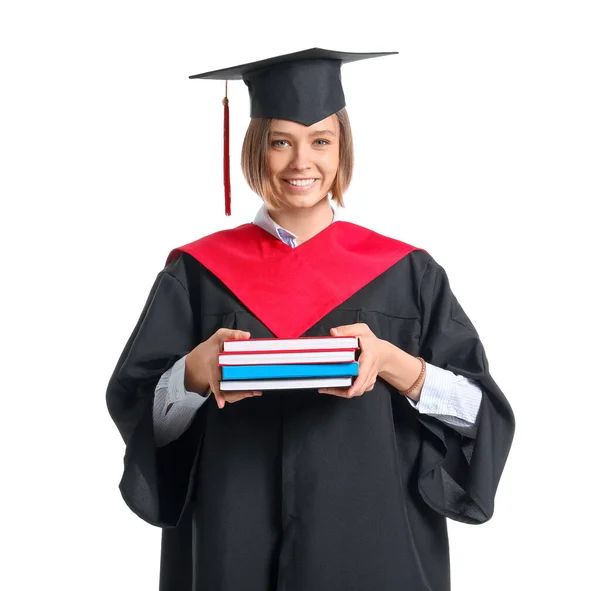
[(279, 364)]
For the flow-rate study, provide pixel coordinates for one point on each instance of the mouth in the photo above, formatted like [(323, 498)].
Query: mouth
[(300, 182)]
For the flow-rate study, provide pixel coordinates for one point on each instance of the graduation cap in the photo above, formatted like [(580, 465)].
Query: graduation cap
[(304, 86)]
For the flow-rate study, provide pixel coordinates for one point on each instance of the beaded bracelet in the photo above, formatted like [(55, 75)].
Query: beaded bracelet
[(414, 386)]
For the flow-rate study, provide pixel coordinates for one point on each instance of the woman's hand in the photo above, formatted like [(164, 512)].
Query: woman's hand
[(202, 367), (373, 355)]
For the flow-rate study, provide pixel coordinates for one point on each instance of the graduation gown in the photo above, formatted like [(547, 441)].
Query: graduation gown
[(297, 490)]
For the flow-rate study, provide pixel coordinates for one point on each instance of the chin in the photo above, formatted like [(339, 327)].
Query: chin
[(302, 201)]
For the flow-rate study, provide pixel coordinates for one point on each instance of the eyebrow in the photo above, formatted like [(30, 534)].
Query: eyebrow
[(312, 134)]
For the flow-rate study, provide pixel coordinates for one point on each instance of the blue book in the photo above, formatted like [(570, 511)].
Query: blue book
[(316, 370)]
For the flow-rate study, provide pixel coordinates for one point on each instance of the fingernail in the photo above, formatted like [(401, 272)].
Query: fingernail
[(334, 331)]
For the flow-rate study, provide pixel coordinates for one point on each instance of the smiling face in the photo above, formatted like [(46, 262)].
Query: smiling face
[(303, 161)]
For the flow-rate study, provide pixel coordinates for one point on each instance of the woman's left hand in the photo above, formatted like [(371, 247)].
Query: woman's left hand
[(372, 356)]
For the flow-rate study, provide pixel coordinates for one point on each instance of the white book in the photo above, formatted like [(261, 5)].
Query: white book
[(288, 384), (285, 345), (286, 358)]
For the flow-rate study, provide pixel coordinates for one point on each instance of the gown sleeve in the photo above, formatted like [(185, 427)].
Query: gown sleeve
[(458, 476), (156, 482)]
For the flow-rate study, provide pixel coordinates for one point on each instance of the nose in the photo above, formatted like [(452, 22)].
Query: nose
[(300, 158)]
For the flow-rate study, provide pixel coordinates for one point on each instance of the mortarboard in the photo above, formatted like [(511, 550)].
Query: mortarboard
[(304, 86)]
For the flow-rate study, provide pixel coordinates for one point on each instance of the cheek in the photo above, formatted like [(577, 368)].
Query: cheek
[(275, 164), (330, 164)]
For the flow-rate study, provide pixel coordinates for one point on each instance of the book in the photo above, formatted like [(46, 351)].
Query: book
[(255, 372), (295, 384), (277, 357), (299, 344)]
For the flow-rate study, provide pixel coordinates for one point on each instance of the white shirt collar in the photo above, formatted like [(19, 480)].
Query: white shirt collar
[(267, 223)]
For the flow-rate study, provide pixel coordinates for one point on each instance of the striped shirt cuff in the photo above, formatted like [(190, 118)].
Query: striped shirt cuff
[(171, 423), (453, 399), (176, 387)]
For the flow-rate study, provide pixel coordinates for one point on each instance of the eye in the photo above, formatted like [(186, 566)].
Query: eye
[(274, 143), (325, 142)]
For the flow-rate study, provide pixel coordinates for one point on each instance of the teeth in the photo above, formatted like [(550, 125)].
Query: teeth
[(302, 183)]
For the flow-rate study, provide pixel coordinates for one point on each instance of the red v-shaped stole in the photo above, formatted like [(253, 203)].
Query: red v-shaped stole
[(291, 289)]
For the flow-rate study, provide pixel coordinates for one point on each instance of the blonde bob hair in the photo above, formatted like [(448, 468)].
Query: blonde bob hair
[(255, 167)]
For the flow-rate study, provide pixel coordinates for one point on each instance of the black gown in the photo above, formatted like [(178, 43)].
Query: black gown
[(296, 490)]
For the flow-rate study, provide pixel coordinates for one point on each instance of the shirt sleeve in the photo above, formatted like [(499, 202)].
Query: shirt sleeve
[(451, 398), (174, 407)]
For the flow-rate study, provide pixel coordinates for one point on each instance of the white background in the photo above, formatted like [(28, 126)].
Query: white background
[(478, 142)]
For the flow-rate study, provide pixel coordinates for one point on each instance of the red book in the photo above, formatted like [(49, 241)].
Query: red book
[(290, 345)]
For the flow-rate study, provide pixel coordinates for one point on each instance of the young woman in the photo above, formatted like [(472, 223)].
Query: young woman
[(304, 489)]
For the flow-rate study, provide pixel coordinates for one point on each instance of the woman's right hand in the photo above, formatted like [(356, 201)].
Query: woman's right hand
[(202, 367)]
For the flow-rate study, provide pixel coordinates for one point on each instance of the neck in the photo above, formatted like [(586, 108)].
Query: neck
[(304, 222)]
